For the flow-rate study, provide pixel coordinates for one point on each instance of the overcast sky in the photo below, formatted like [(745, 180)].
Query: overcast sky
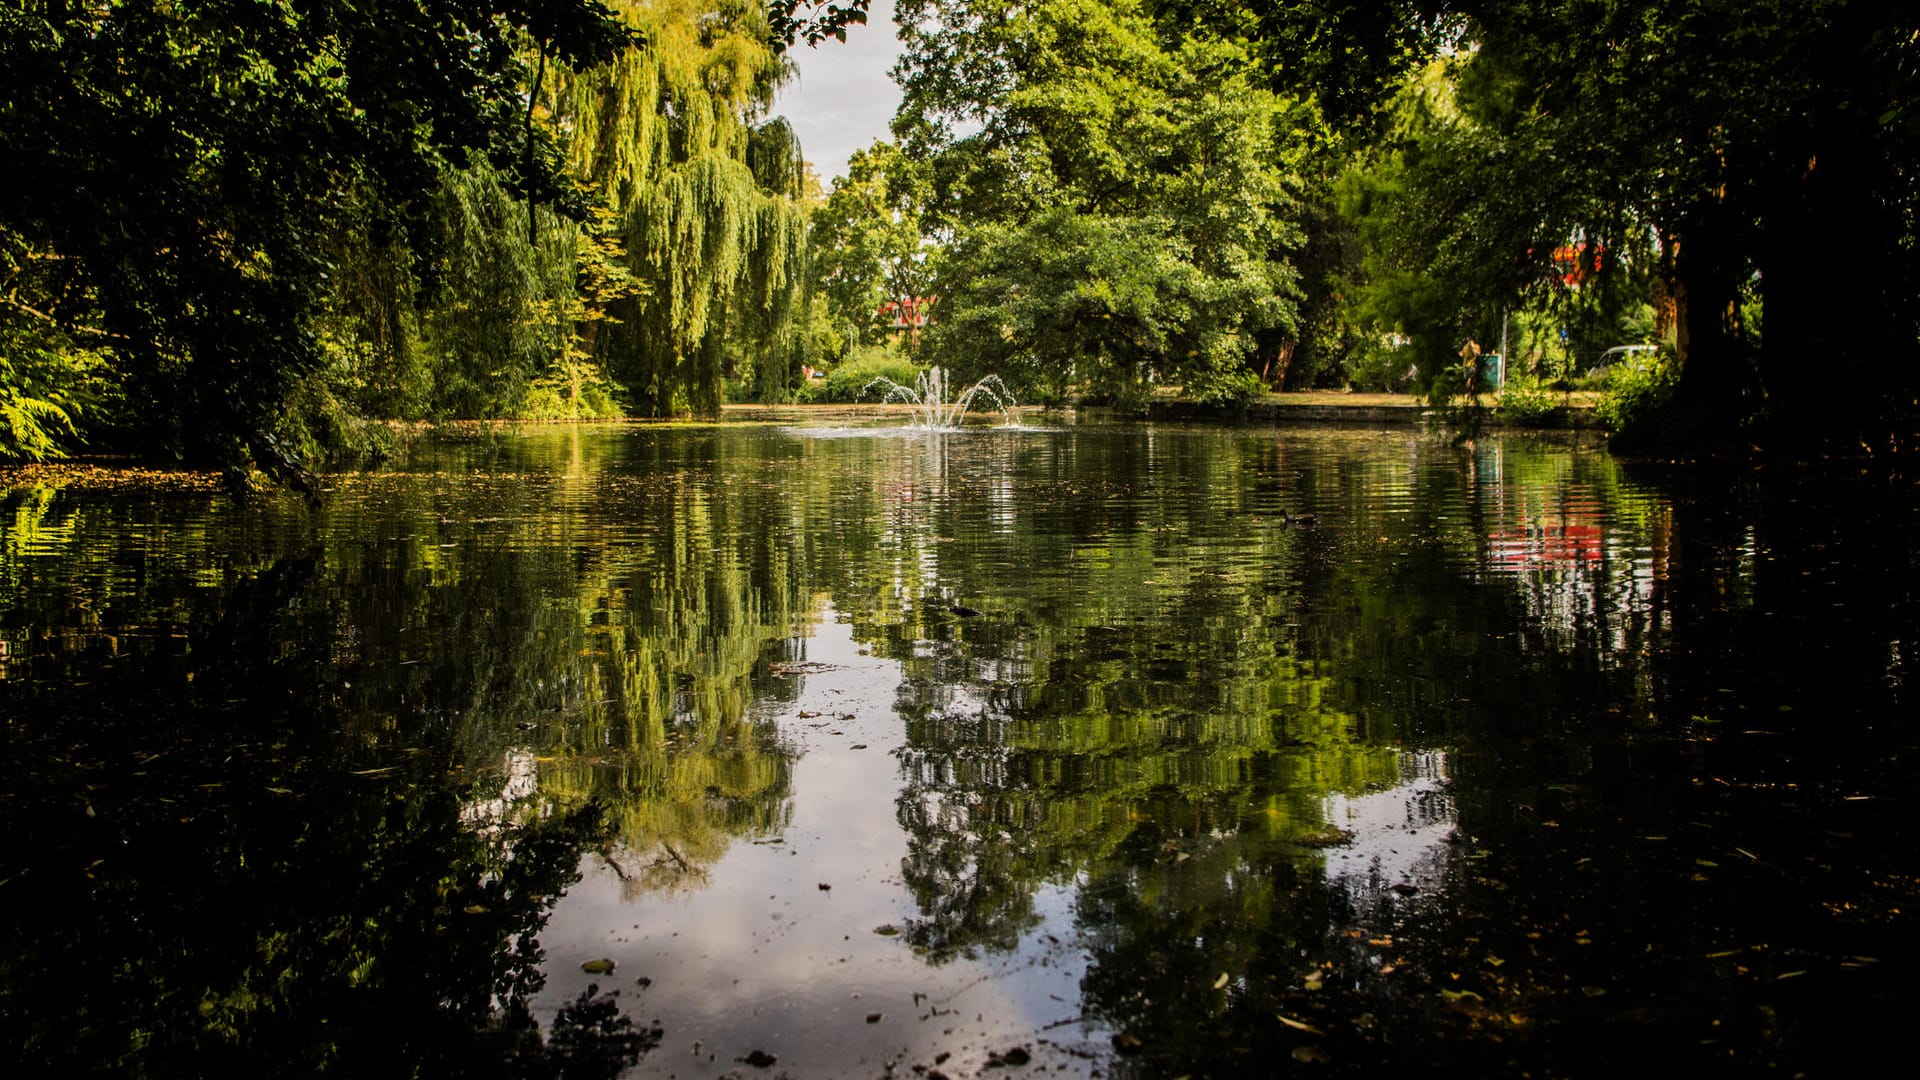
[(843, 99)]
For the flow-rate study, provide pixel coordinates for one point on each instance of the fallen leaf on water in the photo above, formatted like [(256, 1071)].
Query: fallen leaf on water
[(886, 930), (1221, 982), (1311, 1055), (1791, 974), (759, 1059), (1297, 1025), (602, 966)]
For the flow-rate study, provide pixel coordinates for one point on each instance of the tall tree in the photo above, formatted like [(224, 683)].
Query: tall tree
[(1765, 148), (867, 242), (707, 194), (1119, 204), (191, 159)]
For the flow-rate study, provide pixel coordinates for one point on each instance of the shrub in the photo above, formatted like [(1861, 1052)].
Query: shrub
[(1381, 366), (576, 391), (849, 379), (1236, 387), (1528, 403), (1638, 392)]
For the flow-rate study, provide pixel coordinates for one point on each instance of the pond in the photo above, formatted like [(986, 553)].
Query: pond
[(754, 749)]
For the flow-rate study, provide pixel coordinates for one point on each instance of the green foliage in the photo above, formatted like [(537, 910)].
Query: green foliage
[(708, 204), (47, 387), (1381, 363), (866, 245), (848, 381), (578, 391), (1122, 211), (192, 159), (1689, 167), (397, 209), (1527, 403), (1638, 395)]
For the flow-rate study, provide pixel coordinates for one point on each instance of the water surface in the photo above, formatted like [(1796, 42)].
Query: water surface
[(860, 752)]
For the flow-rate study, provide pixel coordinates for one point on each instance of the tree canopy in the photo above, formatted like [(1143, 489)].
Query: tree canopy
[(1117, 200), (233, 229)]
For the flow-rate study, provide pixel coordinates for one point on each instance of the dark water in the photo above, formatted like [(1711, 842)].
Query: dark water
[(879, 752)]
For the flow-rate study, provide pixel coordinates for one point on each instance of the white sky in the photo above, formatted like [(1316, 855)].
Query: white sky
[(843, 99)]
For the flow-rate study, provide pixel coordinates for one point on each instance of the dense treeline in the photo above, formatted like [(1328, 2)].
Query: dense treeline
[(1235, 196), (233, 231), (239, 232)]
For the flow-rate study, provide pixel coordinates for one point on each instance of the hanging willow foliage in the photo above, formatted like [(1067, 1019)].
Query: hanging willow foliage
[(685, 271), (707, 199)]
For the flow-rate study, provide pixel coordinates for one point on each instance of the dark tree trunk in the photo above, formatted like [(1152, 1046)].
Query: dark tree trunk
[(1719, 390)]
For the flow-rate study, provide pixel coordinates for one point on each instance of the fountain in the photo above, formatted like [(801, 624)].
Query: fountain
[(928, 395)]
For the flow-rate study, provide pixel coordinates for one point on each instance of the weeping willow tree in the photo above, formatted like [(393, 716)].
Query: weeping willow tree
[(670, 261), (707, 197)]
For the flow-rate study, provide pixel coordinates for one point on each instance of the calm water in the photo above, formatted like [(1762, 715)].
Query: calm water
[(871, 752)]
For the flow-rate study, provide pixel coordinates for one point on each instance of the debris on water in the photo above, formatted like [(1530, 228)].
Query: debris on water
[(1311, 1055), (1299, 1025), (759, 1059), (643, 982), (1325, 837), (824, 887), (475, 909), (874, 1018), (1404, 889), (1001, 1059), (803, 667), (602, 966), (1128, 1044), (965, 612), (886, 930), (858, 746)]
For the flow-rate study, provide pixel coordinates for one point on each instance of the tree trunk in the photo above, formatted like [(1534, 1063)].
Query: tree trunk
[(1719, 391)]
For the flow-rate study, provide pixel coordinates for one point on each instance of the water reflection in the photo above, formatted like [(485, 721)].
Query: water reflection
[(1062, 741)]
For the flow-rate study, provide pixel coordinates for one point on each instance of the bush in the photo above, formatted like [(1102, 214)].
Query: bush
[(1380, 366), (1638, 392), (1528, 403), (848, 381), (579, 392), (1237, 387)]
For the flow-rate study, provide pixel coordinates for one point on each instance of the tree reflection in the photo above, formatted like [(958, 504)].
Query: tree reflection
[(312, 814), (211, 873)]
